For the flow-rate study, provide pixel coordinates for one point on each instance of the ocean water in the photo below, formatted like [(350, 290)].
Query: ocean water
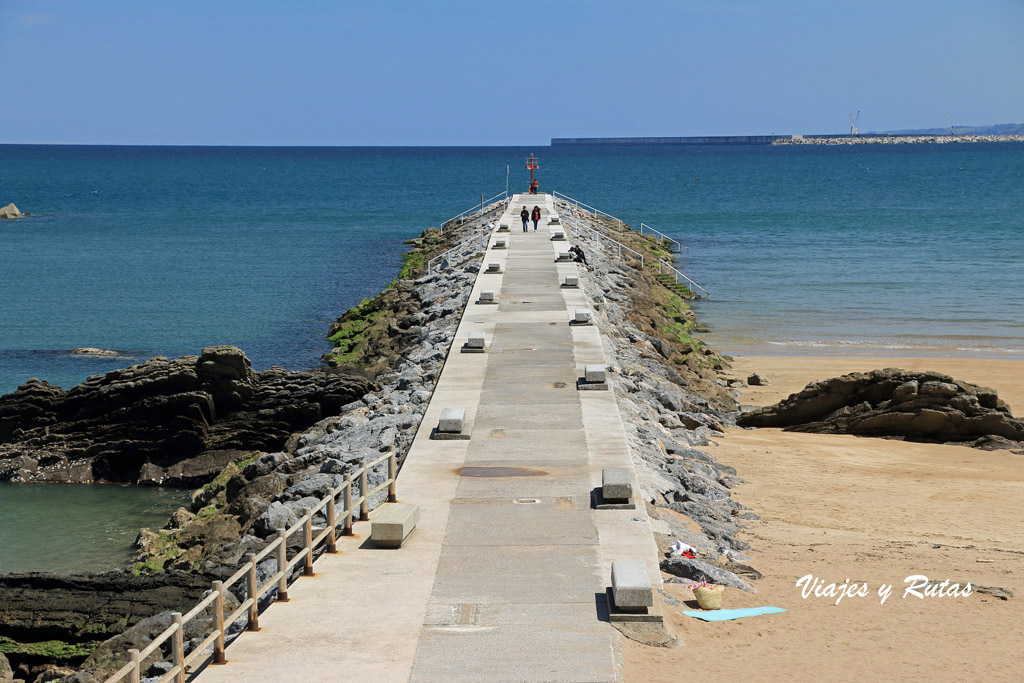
[(87, 528), (161, 251), (912, 250)]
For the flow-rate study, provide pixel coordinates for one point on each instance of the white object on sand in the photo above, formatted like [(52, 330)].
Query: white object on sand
[(678, 548)]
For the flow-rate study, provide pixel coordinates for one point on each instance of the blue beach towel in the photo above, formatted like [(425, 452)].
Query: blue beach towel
[(727, 614)]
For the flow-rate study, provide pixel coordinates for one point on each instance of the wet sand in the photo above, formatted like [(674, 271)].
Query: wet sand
[(871, 511)]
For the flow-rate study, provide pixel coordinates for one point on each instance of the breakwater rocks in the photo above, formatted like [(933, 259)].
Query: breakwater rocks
[(169, 422), (672, 396), (894, 403), (871, 139)]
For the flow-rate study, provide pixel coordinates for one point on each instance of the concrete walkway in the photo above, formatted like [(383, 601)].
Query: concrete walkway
[(504, 578)]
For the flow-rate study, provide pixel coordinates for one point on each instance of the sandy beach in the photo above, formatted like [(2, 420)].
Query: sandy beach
[(870, 511)]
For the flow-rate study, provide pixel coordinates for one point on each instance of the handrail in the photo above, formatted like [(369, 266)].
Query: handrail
[(458, 247), (679, 247), (679, 274), (132, 670), (590, 208), (481, 208), (601, 236)]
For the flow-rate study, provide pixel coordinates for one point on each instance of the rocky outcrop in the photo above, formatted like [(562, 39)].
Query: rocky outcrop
[(92, 351), (45, 618), (171, 422), (10, 211), (894, 403)]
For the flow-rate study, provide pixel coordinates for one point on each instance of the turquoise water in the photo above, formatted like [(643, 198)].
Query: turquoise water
[(914, 250), (164, 250), (68, 527)]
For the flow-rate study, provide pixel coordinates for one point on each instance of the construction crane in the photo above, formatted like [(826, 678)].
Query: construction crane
[(853, 124)]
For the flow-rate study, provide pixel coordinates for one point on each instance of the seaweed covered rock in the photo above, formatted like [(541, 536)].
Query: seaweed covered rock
[(895, 403)]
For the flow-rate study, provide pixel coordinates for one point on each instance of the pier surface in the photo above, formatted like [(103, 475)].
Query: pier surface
[(505, 576)]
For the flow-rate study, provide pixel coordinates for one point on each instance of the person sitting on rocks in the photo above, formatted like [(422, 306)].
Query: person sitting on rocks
[(578, 255)]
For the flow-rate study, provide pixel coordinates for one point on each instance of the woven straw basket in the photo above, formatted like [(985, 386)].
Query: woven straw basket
[(708, 597)]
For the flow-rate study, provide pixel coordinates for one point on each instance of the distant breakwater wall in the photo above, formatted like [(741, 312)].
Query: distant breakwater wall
[(844, 139), (705, 140)]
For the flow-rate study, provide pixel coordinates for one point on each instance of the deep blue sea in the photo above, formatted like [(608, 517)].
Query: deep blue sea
[(163, 250), (913, 250)]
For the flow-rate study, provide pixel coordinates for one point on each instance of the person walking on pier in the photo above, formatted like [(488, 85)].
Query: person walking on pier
[(536, 217), (525, 215)]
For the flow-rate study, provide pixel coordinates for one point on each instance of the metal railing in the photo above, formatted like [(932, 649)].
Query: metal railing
[(679, 248), (603, 240), (180, 660), (577, 203), (678, 275), (478, 209), (446, 256)]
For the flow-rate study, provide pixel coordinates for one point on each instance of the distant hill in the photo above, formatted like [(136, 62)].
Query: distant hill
[(998, 129)]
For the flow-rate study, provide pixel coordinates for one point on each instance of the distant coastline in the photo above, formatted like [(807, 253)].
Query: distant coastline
[(843, 139)]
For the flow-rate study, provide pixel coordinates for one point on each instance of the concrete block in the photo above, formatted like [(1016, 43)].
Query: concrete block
[(503, 227), (631, 586), (393, 524), (595, 373), (493, 267), (616, 486), (558, 235), (486, 297), (475, 343), (564, 256), (452, 420), (581, 315), (554, 220), (499, 244), (571, 281)]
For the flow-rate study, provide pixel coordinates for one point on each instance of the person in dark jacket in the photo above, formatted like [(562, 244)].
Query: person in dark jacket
[(536, 217), (525, 215)]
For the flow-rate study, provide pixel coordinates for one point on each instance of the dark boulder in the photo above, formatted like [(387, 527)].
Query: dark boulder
[(917, 406), (170, 422)]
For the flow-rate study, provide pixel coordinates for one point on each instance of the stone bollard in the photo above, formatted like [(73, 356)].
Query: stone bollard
[(571, 282), (503, 227), (581, 317), (475, 343), (451, 424), (558, 235), (595, 378), (499, 244), (554, 220), (616, 492), (486, 297), (563, 256), (631, 596), (493, 267)]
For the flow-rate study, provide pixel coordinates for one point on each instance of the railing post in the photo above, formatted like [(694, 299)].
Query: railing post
[(307, 528), (364, 504), (392, 474), (250, 584), (347, 528), (136, 673), (332, 539), (178, 647), (282, 565), (218, 624)]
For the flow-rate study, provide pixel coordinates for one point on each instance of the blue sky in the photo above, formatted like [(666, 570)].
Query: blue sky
[(452, 72)]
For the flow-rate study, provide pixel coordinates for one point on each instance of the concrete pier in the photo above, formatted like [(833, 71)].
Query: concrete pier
[(506, 574)]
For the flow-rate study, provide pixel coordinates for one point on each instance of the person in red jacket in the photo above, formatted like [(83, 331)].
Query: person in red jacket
[(534, 186), (536, 217)]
